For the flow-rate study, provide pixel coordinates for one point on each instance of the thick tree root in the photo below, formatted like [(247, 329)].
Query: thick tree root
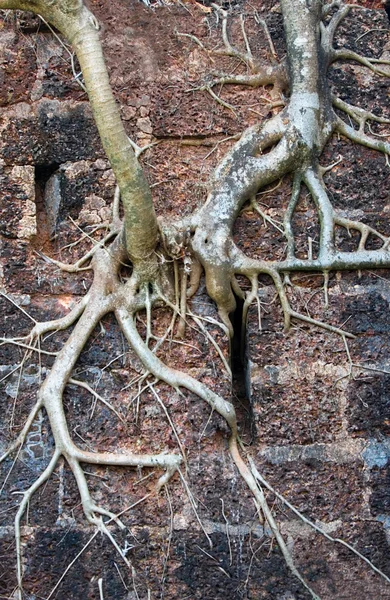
[(290, 142), (107, 294)]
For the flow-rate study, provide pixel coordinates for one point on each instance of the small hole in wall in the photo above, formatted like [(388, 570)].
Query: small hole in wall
[(44, 172), (44, 229), (206, 241)]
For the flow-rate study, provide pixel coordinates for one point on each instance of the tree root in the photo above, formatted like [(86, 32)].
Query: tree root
[(361, 138), (360, 115), (77, 267), (370, 63), (106, 291), (274, 73), (290, 142), (18, 443), (264, 482), (99, 302)]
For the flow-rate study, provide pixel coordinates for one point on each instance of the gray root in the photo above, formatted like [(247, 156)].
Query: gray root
[(290, 142)]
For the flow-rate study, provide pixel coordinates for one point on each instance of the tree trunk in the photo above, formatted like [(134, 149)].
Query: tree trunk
[(80, 28)]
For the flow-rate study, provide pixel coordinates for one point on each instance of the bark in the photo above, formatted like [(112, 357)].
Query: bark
[(290, 142), (80, 28), (297, 137)]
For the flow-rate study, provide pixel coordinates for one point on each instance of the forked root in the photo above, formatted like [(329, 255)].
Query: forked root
[(261, 75), (27, 495), (106, 293), (264, 154)]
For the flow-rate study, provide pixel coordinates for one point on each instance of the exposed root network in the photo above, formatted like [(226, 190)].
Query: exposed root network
[(291, 142), (109, 295)]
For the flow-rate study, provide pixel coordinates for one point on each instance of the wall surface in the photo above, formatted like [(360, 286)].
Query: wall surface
[(316, 423)]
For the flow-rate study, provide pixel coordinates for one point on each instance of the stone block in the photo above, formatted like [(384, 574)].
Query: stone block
[(48, 132), (18, 209)]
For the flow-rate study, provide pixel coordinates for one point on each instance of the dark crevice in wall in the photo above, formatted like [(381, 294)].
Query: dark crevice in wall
[(238, 363), (42, 176)]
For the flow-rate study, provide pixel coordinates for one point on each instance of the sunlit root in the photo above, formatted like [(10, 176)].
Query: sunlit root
[(79, 265)]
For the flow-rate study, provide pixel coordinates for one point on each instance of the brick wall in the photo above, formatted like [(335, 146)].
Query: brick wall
[(318, 432)]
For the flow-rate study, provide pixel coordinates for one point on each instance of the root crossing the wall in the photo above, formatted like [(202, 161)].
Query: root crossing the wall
[(134, 266)]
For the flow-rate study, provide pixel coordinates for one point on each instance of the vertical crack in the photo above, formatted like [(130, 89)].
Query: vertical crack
[(45, 229), (240, 383)]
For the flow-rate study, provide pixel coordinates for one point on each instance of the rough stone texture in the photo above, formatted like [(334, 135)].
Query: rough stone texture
[(319, 434), (18, 209), (47, 132)]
